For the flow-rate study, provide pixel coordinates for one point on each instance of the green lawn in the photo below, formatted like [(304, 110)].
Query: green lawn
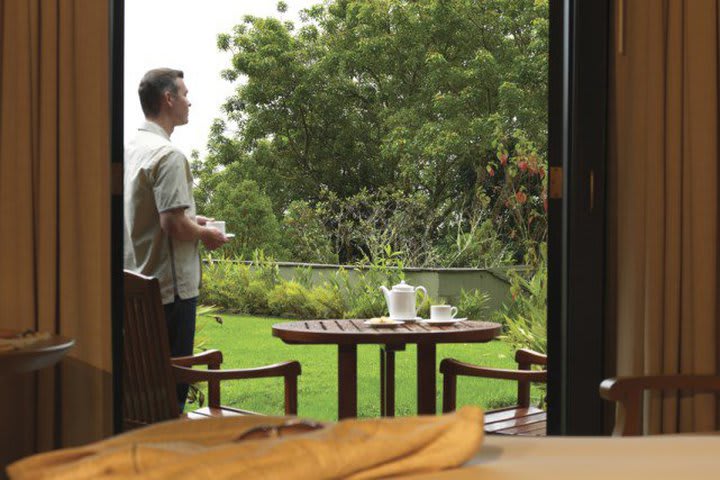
[(248, 342)]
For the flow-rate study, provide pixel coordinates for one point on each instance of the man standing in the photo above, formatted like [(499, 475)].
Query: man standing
[(161, 227)]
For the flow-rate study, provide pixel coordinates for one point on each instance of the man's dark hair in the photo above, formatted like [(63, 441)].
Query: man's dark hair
[(154, 85)]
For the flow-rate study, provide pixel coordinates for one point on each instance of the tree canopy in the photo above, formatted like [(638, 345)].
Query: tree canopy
[(439, 101)]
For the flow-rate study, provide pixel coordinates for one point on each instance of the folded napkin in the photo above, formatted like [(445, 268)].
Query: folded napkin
[(192, 449)]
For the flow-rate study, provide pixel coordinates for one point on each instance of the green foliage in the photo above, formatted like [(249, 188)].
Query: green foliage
[(255, 298), (248, 214), (222, 283), (474, 304), (525, 318), (304, 235), (238, 287), (420, 125), (481, 246), (364, 298), (258, 289), (327, 302), (290, 299), (204, 316), (364, 224)]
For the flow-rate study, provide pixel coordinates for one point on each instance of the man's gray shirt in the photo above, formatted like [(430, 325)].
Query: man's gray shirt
[(158, 179)]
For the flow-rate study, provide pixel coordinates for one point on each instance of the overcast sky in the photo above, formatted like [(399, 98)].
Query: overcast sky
[(182, 34)]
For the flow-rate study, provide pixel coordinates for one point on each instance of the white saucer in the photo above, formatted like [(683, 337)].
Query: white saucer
[(389, 323), (412, 319), (449, 321), (230, 235)]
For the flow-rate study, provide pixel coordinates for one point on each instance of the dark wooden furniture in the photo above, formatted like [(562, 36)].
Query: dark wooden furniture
[(348, 334), (150, 375), (628, 393), (41, 354), (520, 419)]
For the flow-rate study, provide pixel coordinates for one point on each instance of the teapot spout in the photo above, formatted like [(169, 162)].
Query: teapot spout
[(386, 292)]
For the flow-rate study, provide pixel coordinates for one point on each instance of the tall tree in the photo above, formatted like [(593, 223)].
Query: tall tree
[(420, 97)]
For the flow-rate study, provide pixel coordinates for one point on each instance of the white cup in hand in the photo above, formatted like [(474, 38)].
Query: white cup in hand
[(442, 312), (220, 225)]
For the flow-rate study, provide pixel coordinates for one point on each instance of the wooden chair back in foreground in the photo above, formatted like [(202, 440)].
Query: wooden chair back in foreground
[(628, 393), (150, 374), (520, 419)]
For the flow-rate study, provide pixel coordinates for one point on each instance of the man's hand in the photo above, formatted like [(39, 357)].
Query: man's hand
[(202, 221), (177, 225), (213, 238)]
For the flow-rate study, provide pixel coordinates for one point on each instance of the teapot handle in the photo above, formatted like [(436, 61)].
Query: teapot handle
[(423, 290)]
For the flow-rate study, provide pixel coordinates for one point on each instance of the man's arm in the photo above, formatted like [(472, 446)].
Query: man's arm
[(178, 226)]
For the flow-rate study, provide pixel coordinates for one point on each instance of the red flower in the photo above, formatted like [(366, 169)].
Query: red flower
[(490, 171), (503, 158), (523, 165), (533, 164), (521, 197)]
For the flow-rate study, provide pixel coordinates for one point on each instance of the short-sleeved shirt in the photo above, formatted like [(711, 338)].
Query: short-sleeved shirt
[(158, 179)]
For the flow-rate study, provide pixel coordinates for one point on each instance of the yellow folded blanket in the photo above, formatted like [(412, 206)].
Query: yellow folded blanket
[(192, 449)]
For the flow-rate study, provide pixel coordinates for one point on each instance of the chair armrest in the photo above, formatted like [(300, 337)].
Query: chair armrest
[(211, 358), (628, 391), (191, 375), (615, 389), (288, 370), (454, 367), (525, 356)]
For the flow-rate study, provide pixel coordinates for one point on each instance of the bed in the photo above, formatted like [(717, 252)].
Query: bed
[(676, 457), (451, 446)]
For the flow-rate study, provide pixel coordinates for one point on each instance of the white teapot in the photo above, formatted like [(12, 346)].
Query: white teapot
[(401, 300)]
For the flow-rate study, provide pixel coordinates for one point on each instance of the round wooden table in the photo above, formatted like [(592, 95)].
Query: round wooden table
[(348, 334), (35, 356)]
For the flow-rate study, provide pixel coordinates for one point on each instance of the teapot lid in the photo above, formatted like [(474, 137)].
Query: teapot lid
[(403, 287)]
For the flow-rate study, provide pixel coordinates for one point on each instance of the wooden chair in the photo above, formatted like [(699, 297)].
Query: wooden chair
[(628, 393), (520, 419), (150, 375)]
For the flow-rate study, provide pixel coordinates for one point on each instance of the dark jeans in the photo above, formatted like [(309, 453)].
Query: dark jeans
[(180, 318)]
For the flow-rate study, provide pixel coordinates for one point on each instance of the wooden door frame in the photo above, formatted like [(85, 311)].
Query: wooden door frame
[(578, 99), (117, 70)]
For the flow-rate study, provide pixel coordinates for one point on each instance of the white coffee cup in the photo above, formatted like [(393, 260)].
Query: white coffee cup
[(219, 224), (442, 312)]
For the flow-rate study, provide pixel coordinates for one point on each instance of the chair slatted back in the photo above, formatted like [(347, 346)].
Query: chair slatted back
[(149, 392)]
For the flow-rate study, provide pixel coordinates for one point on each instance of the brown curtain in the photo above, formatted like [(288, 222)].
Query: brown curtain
[(664, 200), (55, 216)]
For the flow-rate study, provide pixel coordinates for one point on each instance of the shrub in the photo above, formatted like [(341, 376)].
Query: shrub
[(238, 287), (474, 304), (327, 302), (363, 296), (255, 298), (481, 246), (290, 299), (222, 282), (525, 318), (260, 290)]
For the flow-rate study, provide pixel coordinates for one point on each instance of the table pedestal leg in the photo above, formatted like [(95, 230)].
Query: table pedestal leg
[(426, 379), (347, 381), (387, 379)]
